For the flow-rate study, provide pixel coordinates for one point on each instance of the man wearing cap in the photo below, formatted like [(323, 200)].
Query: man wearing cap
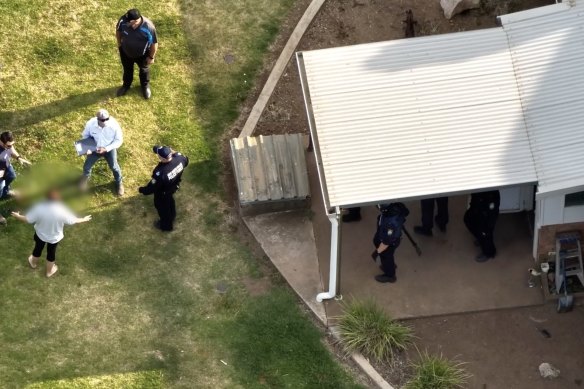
[(107, 133), (137, 44), (165, 181)]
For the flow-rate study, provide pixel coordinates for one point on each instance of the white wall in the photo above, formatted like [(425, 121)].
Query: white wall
[(553, 211)]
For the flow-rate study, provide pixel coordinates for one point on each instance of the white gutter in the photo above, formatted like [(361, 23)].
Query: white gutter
[(334, 271)]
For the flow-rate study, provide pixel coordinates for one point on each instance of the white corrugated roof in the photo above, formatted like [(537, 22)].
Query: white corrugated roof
[(548, 57), (446, 114)]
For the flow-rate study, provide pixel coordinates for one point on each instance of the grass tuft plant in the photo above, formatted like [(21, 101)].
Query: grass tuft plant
[(437, 372), (366, 328)]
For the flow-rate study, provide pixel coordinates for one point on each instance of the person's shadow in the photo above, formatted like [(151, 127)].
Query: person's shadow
[(10, 120)]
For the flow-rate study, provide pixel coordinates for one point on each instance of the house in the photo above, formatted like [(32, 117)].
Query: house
[(451, 114)]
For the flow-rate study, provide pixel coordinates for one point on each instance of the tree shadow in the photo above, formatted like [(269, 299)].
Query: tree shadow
[(28, 116)]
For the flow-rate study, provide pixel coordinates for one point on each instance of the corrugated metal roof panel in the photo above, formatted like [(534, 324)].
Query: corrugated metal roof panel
[(416, 117), (548, 57)]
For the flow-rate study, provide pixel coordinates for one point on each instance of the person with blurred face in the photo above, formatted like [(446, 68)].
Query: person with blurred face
[(48, 217), (137, 44), (7, 152), (3, 168)]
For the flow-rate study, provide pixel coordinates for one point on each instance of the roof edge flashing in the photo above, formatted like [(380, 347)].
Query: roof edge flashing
[(533, 13), (312, 128)]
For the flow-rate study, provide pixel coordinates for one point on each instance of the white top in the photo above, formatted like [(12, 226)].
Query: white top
[(109, 137), (49, 218), (6, 155)]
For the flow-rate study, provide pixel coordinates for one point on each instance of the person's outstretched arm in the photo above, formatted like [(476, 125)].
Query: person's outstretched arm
[(18, 216)]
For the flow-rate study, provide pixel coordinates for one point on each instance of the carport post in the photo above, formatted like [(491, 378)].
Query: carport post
[(335, 268)]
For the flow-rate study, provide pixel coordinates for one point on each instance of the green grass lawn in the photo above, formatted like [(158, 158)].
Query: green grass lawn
[(131, 307)]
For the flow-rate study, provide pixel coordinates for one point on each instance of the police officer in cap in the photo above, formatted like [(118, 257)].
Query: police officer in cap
[(480, 219), (388, 237), (165, 181)]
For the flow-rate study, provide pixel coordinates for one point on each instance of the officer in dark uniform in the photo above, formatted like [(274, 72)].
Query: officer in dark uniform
[(387, 238), (165, 181), (480, 219), (428, 218)]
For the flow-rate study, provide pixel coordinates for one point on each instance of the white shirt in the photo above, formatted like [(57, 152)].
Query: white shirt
[(6, 155), (49, 218), (109, 137)]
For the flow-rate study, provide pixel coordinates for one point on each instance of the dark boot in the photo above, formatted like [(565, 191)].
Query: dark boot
[(385, 279)]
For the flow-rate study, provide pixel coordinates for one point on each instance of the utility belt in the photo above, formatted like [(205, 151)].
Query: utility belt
[(167, 191)]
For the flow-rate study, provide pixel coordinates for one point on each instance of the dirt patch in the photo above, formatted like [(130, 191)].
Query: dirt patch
[(257, 286), (503, 349), (350, 22)]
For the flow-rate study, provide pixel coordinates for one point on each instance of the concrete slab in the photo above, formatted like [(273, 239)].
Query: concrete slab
[(445, 279), (287, 239)]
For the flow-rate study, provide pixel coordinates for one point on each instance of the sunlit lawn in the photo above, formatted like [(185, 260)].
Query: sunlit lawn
[(132, 307)]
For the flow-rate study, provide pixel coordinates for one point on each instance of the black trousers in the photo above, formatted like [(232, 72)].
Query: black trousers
[(387, 258), (128, 65), (428, 212), (355, 211), (39, 245), (482, 227), (166, 207)]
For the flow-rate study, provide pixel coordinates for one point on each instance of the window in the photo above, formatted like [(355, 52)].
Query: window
[(574, 199)]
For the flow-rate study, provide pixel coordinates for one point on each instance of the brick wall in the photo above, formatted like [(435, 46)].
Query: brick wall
[(547, 236)]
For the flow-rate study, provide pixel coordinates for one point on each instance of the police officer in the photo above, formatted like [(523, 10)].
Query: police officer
[(387, 238), (428, 218), (480, 219), (165, 181)]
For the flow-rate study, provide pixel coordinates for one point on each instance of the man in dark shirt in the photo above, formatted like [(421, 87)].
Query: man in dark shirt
[(165, 181), (137, 44), (480, 219)]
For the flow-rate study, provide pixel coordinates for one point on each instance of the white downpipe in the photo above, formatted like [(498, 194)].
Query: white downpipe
[(539, 205), (334, 218)]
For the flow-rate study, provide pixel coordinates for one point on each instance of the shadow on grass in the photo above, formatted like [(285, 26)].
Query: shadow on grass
[(26, 117)]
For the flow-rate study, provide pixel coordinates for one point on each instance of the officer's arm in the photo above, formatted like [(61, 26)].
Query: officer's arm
[(151, 187)]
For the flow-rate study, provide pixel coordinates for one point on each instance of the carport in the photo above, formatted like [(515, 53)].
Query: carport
[(449, 115)]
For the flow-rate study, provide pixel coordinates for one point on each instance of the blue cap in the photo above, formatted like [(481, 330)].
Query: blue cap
[(162, 151)]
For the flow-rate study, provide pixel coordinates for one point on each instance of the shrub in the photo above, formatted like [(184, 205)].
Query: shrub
[(437, 372), (365, 328)]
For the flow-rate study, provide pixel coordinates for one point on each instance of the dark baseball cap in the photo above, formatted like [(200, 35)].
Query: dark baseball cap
[(133, 14), (162, 151)]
